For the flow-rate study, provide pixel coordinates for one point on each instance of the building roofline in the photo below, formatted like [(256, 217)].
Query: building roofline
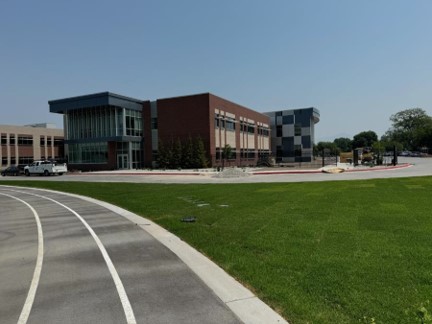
[(95, 95), (185, 96), (274, 111)]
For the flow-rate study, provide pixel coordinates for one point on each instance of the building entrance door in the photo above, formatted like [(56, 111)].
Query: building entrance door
[(122, 161)]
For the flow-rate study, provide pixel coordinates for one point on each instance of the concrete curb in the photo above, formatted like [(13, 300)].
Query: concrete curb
[(254, 173), (242, 302)]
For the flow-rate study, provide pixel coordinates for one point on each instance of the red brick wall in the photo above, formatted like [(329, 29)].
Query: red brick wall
[(238, 111), (146, 117), (182, 117), (112, 155)]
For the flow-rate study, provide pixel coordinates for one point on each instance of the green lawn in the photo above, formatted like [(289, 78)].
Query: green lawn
[(327, 252)]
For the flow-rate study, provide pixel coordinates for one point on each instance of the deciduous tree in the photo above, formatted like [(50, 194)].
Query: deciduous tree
[(364, 139)]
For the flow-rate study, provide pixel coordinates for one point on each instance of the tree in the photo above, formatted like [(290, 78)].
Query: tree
[(327, 148), (379, 149), (199, 158), (409, 127), (164, 155), (423, 136), (226, 154), (176, 157), (177, 154), (187, 160), (364, 139), (344, 144), (389, 145)]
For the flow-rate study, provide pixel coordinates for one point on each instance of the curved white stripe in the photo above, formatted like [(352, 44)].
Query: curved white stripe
[(130, 316), (25, 312)]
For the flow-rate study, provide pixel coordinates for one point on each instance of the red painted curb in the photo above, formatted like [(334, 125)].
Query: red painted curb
[(405, 165)]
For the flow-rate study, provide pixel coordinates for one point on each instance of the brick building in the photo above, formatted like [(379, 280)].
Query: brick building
[(109, 131), (24, 144)]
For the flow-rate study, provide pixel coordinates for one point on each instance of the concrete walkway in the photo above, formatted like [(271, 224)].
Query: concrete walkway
[(73, 283)]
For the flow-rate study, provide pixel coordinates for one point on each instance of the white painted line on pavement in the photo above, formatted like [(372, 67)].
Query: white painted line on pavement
[(25, 312), (249, 308), (130, 316)]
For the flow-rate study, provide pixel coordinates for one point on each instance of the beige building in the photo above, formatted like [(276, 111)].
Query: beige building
[(24, 144)]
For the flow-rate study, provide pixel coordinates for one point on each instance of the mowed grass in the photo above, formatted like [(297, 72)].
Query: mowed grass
[(327, 252)]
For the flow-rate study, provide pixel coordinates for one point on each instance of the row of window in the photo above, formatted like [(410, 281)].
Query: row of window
[(28, 140), (230, 125), (242, 154), (263, 131), (88, 153), (247, 128), (104, 121), (227, 123)]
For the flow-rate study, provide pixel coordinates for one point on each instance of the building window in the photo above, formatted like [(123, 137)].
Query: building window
[(154, 123), (25, 140), (297, 150), (42, 141), (88, 153), (233, 156), (4, 160), (297, 130), (263, 131), (155, 155), (216, 119), (25, 160), (288, 119), (12, 139), (279, 131), (230, 125), (133, 122), (136, 155), (4, 139), (49, 141), (95, 122), (58, 142), (13, 160)]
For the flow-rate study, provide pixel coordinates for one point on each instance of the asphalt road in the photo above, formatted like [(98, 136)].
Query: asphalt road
[(67, 260), (420, 167)]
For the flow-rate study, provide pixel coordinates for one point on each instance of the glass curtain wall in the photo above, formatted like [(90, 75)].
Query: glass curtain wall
[(88, 153), (95, 122), (98, 124)]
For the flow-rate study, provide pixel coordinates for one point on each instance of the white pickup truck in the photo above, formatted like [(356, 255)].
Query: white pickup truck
[(45, 168)]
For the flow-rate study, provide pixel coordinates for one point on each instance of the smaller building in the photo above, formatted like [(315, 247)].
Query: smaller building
[(103, 131), (24, 144), (293, 134)]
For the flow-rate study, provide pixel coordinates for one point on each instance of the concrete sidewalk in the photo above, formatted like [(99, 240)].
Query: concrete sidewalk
[(246, 171)]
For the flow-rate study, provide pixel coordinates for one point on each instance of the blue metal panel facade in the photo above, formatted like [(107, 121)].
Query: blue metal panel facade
[(293, 134)]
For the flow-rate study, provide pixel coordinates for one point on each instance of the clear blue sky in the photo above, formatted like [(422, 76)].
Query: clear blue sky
[(358, 62)]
